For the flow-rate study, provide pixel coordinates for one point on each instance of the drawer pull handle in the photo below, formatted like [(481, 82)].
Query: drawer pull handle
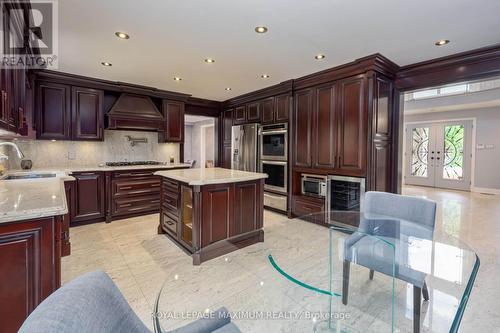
[(155, 201), (87, 173), (137, 208), (155, 185), (169, 222), (126, 188), (126, 205)]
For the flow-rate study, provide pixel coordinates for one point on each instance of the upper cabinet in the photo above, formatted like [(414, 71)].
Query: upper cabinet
[(253, 112), (353, 126), (13, 100), (330, 127), (240, 115), (173, 112), (53, 111), (282, 108), (68, 113), (87, 113), (302, 128)]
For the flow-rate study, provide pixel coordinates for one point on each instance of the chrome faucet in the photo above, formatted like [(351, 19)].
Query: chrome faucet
[(16, 148)]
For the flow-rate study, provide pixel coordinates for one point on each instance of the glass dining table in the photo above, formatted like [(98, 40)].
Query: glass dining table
[(362, 273)]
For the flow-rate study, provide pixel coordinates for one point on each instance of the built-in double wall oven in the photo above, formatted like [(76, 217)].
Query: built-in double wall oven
[(274, 162)]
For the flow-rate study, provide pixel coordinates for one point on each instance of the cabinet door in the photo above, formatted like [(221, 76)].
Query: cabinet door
[(174, 115), (89, 196), (29, 256), (302, 123), (53, 111), (87, 113), (217, 213), (282, 108), (4, 102), (324, 130), (226, 156), (380, 166), (267, 107), (352, 128), (253, 112), (19, 120), (239, 116), (247, 208), (227, 126)]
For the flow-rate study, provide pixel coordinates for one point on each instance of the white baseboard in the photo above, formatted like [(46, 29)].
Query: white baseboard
[(485, 190)]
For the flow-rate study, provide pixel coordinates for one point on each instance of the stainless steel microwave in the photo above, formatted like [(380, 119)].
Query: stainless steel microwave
[(314, 185)]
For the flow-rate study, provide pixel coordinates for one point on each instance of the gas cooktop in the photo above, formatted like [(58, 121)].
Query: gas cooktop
[(115, 164)]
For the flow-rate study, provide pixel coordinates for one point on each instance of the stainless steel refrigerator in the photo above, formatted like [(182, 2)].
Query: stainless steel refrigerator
[(244, 147)]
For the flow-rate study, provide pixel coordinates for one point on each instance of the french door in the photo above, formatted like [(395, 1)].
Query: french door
[(439, 154)]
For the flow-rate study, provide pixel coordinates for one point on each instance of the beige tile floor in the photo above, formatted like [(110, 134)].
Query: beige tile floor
[(139, 260)]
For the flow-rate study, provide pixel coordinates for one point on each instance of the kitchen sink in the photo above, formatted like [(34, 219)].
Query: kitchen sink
[(29, 176)]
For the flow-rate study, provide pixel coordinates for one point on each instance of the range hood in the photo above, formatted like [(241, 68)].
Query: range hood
[(135, 112)]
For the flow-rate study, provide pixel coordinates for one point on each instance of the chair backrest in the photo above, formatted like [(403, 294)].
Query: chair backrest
[(419, 210), (89, 303)]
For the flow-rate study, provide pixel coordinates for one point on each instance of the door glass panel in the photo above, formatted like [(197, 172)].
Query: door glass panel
[(420, 152), (453, 152)]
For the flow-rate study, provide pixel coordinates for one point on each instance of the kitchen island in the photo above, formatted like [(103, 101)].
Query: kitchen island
[(211, 212)]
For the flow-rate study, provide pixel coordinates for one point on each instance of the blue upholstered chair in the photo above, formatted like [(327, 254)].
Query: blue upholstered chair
[(390, 215), (92, 303)]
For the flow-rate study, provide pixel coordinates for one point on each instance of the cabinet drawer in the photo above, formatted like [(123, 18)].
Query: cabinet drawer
[(169, 224), (122, 187), (131, 173), (136, 204), (303, 207), (170, 186)]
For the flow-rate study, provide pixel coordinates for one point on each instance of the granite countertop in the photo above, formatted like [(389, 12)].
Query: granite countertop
[(24, 199), (76, 168), (207, 176)]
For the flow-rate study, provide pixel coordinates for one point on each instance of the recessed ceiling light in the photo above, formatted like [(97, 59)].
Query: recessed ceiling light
[(122, 35), (228, 88), (261, 30), (107, 64), (319, 56), (441, 42), (265, 76), (176, 78), (209, 60)]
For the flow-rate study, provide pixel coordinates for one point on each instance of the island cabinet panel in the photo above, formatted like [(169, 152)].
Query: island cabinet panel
[(87, 114), (217, 213), (247, 200), (302, 128), (53, 103), (324, 127), (90, 196), (352, 129), (29, 267)]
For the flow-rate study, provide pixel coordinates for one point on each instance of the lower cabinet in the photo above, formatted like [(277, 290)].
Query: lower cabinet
[(90, 195), (30, 267), (69, 189), (308, 208)]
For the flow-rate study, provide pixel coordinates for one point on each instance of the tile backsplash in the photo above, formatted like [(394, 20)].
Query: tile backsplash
[(115, 147)]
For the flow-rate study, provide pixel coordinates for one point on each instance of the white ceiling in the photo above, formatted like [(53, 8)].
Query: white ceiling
[(171, 38)]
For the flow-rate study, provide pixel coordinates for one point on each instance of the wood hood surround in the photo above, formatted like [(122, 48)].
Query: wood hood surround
[(135, 112)]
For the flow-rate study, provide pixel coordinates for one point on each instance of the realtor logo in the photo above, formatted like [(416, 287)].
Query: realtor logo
[(29, 34)]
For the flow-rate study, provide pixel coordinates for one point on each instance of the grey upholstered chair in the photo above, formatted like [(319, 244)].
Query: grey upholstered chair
[(92, 303), (386, 213)]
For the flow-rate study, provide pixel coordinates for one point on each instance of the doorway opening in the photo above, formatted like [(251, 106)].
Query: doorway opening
[(449, 136), (200, 141)]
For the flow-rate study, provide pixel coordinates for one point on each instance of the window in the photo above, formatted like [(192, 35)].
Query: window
[(455, 89)]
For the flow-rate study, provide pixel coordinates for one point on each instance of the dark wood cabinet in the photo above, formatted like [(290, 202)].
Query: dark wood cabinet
[(240, 115), (353, 126), (87, 114), (247, 208), (302, 128), (226, 156), (282, 108), (227, 124), (64, 112), (324, 127), (268, 110), (308, 208), (53, 113), (253, 112), (30, 262), (90, 195), (217, 212), (13, 100), (173, 112), (69, 189)]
